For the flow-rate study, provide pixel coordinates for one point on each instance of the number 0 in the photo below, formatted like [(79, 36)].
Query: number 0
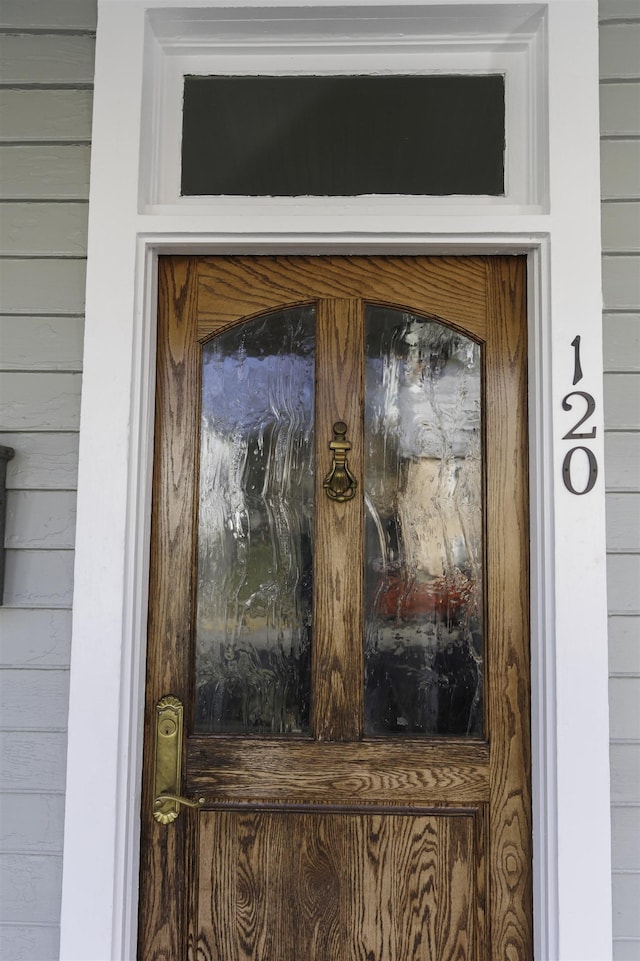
[(566, 471)]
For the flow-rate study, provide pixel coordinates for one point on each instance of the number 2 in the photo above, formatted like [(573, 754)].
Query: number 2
[(574, 433)]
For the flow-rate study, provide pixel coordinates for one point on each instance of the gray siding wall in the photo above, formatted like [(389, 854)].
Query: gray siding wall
[(620, 131), (46, 76), (46, 72)]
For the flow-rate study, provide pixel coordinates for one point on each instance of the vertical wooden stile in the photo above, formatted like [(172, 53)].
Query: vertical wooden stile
[(338, 692), (510, 890), (163, 884)]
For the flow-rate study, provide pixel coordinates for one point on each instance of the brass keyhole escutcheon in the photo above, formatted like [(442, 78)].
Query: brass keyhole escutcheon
[(168, 762), (168, 759)]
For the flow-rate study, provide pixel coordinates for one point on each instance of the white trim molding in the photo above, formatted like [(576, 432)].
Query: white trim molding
[(550, 211), (388, 40)]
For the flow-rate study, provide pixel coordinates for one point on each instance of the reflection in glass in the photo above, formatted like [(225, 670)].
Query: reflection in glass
[(255, 527), (423, 541)]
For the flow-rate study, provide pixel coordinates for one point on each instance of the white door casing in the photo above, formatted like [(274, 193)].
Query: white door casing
[(550, 210)]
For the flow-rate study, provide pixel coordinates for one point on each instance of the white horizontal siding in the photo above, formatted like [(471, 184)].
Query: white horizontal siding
[(44, 172), (611, 10), (50, 58), (621, 281), (42, 461), (623, 522), (620, 171), (620, 50), (38, 579), (44, 229), (30, 884), (622, 457), (620, 109), (624, 645), (41, 343), (625, 829), (45, 115), (625, 773), (620, 156), (40, 401), (33, 700), (624, 698), (33, 763), (63, 15), (46, 71), (620, 227), (623, 578), (622, 401), (35, 639), (626, 899), (23, 942), (41, 286), (41, 519), (624, 950), (621, 342), (31, 823)]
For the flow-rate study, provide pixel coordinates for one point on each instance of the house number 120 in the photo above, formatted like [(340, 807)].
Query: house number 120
[(585, 405)]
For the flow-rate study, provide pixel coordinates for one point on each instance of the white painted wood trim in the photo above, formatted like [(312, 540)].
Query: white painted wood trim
[(569, 672)]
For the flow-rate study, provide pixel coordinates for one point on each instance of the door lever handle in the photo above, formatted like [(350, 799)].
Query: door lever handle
[(167, 774), (187, 802)]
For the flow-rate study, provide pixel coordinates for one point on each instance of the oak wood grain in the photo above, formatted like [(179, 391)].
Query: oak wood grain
[(508, 694), (338, 653), (163, 888), (339, 886), (450, 288), (369, 770), (333, 846)]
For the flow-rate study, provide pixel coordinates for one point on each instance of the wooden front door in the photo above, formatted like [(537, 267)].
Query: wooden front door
[(339, 599)]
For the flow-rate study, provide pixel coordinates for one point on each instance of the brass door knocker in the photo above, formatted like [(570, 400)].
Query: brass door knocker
[(340, 484)]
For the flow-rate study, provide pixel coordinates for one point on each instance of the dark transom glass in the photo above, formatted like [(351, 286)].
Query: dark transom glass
[(292, 136)]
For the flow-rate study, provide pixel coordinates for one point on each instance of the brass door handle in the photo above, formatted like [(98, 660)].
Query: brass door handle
[(167, 773), (340, 484), (187, 802)]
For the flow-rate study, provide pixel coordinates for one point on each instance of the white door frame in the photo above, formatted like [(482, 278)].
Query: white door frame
[(551, 212)]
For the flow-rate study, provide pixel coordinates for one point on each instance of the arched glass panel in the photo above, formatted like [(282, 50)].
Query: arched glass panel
[(424, 528), (255, 527)]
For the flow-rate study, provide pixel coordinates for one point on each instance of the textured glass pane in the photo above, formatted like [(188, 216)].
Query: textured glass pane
[(423, 566), (255, 527)]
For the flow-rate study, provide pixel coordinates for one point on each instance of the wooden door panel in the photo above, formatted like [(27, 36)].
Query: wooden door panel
[(339, 885), (453, 288), (335, 847), (235, 769)]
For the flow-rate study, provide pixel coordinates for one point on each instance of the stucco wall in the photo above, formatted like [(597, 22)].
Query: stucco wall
[(46, 74), (45, 108)]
